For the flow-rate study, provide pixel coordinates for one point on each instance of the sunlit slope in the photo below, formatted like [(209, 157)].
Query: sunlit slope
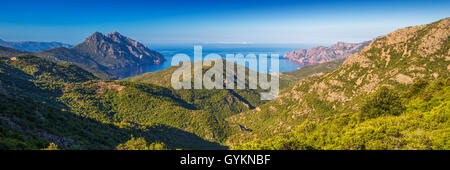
[(393, 61)]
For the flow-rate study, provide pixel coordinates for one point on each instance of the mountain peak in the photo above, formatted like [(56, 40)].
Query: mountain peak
[(117, 52), (115, 33), (95, 36)]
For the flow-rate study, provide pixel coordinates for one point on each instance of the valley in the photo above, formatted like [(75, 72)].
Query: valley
[(390, 93)]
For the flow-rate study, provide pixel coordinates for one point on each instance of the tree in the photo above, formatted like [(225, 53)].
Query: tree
[(140, 144), (383, 102), (51, 146)]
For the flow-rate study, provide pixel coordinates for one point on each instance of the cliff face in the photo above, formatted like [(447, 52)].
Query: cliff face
[(320, 54)]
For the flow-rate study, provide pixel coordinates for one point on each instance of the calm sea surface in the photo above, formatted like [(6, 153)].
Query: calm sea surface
[(170, 50)]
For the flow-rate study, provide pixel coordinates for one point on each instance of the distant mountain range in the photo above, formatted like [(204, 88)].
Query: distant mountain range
[(32, 45), (10, 52), (321, 54), (106, 56)]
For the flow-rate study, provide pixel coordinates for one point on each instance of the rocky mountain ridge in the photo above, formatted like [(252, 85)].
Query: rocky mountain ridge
[(321, 54)]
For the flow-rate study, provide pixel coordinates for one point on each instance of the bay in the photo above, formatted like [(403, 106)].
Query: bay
[(285, 65)]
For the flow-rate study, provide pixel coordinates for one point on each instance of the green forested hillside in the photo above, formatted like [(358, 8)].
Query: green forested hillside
[(44, 102), (227, 102), (120, 107), (221, 102), (27, 124), (143, 104), (44, 70), (38, 78)]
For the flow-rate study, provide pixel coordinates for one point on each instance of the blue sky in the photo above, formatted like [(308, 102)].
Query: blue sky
[(225, 21)]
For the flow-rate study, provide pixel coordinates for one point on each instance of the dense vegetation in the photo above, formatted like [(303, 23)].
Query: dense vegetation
[(221, 102), (383, 102), (43, 102), (228, 102), (424, 123), (142, 104), (38, 96)]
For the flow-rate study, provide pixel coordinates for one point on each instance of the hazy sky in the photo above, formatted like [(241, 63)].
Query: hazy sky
[(227, 21)]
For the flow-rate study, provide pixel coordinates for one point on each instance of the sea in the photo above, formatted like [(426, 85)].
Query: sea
[(168, 51)]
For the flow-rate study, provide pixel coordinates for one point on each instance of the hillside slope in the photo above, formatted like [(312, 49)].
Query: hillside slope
[(393, 61), (222, 102), (236, 100), (289, 79), (45, 102), (10, 52), (423, 124)]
